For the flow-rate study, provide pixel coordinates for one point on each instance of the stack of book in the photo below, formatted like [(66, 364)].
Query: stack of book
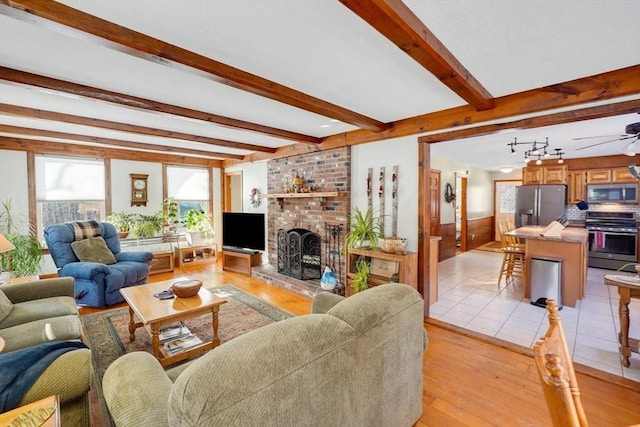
[(177, 337), (182, 344)]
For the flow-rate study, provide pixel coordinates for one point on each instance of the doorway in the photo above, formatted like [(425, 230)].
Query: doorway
[(461, 211), (233, 192), (504, 197)]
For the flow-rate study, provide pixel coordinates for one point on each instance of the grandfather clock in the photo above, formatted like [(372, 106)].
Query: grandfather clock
[(139, 189)]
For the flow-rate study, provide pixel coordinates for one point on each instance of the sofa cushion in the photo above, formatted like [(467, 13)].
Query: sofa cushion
[(93, 249), (44, 308), (5, 306), (64, 328)]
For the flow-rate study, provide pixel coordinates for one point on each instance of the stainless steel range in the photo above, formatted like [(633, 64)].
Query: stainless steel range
[(613, 239)]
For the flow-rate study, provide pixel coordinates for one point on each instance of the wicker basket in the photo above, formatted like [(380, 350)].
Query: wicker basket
[(186, 288), (393, 245)]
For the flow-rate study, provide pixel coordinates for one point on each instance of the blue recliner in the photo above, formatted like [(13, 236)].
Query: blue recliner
[(96, 284)]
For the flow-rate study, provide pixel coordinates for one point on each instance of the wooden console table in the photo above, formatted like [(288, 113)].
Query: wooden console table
[(628, 287), (240, 262), (193, 254)]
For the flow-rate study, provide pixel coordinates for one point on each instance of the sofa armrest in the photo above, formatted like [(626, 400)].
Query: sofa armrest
[(84, 270), (324, 301), (137, 256), (68, 376), (37, 289), (136, 390)]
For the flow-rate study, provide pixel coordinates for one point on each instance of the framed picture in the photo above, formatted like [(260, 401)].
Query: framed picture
[(384, 268)]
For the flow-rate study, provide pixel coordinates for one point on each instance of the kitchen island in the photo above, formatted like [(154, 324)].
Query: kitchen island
[(570, 246)]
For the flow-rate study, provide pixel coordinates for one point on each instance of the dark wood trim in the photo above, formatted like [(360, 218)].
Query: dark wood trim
[(131, 42), (31, 187), (447, 247), (34, 146), (111, 142), (424, 224), (35, 113), (35, 80), (462, 199), (400, 25)]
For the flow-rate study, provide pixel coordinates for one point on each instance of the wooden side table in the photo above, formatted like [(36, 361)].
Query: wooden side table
[(48, 402), (628, 287)]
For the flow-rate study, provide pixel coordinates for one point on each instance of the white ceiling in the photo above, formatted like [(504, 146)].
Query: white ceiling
[(323, 49)]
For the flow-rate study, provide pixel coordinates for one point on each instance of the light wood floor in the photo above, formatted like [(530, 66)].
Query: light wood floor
[(467, 381)]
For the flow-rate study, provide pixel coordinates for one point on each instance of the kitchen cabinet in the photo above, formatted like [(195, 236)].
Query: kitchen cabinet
[(577, 186), (532, 175), (556, 174), (552, 174), (621, 175), (598, 176), (382, 266)]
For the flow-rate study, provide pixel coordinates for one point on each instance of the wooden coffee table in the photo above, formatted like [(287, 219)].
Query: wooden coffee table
[(154, 313)]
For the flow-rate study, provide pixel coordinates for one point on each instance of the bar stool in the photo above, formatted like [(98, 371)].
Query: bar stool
[(513, 259)]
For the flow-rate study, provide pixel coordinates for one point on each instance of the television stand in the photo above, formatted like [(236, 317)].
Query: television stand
[(240, 261)]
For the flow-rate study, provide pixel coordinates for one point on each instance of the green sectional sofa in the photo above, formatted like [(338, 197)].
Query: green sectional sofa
[(352, 362)]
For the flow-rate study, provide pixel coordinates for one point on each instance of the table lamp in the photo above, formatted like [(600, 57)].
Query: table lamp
[(5, 246)]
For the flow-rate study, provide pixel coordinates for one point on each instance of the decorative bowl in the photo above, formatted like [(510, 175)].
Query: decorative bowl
[(186, 288), (392, 245)]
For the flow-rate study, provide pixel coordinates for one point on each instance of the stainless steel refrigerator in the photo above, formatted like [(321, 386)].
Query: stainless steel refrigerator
[(539, 204)]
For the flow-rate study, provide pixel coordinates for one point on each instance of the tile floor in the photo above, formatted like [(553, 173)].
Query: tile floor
[(469, 297)]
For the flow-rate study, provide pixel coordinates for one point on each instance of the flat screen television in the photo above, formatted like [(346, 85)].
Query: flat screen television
[(243, 231)]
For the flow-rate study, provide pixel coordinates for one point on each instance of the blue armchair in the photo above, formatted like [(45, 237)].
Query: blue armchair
[(97, 284)]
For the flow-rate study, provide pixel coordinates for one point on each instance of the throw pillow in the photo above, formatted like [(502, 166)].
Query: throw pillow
[(5, 306), (93, 249)]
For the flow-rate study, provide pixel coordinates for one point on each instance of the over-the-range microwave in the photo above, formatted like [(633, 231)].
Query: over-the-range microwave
[(612, 193)]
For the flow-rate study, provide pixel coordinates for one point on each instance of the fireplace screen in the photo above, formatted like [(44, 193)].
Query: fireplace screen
[(299, 253)]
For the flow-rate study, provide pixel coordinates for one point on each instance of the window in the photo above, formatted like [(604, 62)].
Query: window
[(69, 189), (189, 187)]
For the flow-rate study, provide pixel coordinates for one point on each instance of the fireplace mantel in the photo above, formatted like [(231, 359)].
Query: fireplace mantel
[(316, 194)]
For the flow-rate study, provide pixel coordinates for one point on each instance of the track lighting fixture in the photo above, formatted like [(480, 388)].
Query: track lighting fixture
[(537, 151)]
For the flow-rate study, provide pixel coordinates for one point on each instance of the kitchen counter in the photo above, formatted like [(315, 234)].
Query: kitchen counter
[(569, 234), (571, 246)]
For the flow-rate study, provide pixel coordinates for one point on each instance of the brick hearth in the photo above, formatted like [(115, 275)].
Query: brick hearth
[(307, 288)]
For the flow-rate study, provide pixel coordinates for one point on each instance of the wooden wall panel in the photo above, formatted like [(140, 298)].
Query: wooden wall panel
[(447, 247), (479, 232)]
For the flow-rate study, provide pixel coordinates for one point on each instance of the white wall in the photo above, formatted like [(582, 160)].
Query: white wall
[(402, 152), (254, 175)]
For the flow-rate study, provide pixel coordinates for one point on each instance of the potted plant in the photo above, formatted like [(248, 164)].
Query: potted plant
[(122, 221), (25, 259), (170, 215), (145, 226), (198, 226), (364, 229), (361, 276)]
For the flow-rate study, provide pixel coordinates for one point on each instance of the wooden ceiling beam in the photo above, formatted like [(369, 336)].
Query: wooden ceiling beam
[(572, 116), (35, 113), (394, 20), (48, 83), (64, 149), (600, 87), (22, 131), (150, 48)]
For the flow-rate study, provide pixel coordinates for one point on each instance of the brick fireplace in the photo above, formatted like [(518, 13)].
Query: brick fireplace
[(323, 171)]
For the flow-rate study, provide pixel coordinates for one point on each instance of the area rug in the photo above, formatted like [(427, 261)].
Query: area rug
[(491, 247), (108, 334)]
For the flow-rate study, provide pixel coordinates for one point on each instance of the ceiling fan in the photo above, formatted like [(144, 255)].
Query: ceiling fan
[(632, 133)]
